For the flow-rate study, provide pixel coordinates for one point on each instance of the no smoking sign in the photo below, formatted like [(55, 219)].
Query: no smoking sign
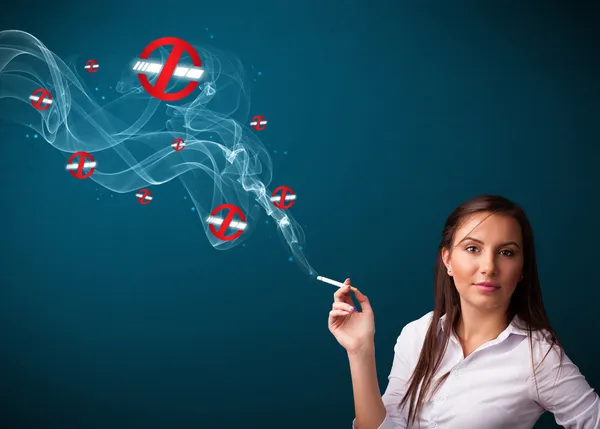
[(169, 69), (226, 222), (283, 197), (144, 196), (91, 66), (78, 163), (178, 144), (41, 99)]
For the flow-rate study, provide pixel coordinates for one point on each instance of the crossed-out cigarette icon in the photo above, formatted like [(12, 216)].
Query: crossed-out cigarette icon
[(46, 100), (75, 165), (193, 73), (148, 197), (219, 220), (255, 123), (287, 198)]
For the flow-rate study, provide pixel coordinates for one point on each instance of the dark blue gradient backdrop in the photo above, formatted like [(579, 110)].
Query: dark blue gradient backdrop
[(382, 117)]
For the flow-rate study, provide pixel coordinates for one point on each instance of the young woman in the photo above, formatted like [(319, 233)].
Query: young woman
[(486, 357)]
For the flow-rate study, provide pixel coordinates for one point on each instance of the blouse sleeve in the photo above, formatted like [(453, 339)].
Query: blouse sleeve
[(398, 380), (562, 390)]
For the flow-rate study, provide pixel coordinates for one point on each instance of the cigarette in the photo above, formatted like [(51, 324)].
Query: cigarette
[(334, 282)]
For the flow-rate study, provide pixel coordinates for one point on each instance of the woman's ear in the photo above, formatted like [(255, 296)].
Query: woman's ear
[(446, 259)]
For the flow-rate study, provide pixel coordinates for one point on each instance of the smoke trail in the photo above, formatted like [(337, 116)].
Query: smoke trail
[(130, 137)]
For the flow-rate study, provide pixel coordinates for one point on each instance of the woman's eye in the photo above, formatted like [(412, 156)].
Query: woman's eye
[(505, 252)]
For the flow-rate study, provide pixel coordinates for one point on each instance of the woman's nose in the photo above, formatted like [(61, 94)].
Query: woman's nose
[(488, 265)]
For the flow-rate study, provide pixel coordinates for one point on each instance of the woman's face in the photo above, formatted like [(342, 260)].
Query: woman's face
[(486, 261)]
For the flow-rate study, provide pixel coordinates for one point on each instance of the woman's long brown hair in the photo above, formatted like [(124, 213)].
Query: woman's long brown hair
[(526, 301)]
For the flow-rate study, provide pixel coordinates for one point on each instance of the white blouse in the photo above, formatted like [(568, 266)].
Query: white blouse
[(493, 387)]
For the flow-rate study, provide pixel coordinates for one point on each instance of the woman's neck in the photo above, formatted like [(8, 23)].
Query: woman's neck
[(475, 325)]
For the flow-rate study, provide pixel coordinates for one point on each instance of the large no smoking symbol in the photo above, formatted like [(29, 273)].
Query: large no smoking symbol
[(227, 221), (179, 46)]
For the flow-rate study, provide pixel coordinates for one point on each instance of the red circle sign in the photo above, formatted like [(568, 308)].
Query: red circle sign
[(144, 196), (81, 164), (281, 203), (178, 144), (41, 95), (179, 46), (89, 65), (233, 210), (258, 119)]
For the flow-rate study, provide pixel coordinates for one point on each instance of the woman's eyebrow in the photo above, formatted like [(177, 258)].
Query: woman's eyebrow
[(479, 241)]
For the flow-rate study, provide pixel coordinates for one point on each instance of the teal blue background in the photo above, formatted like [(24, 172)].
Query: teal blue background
[(383, 116)]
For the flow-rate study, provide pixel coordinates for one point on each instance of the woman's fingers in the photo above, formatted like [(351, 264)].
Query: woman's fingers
[(347, 282), (339, 313), (341, 309), (343, 293), (343, 306), (363, 300)]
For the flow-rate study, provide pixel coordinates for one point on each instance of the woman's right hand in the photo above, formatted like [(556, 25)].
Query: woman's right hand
[(352, 329)]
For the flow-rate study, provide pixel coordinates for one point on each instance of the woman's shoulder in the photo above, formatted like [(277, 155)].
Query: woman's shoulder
[(546, 350), (541, 339), (420, 324), (410, 340), (418, 327)]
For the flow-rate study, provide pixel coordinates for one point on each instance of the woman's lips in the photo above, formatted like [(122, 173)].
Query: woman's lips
[(487, 287)]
